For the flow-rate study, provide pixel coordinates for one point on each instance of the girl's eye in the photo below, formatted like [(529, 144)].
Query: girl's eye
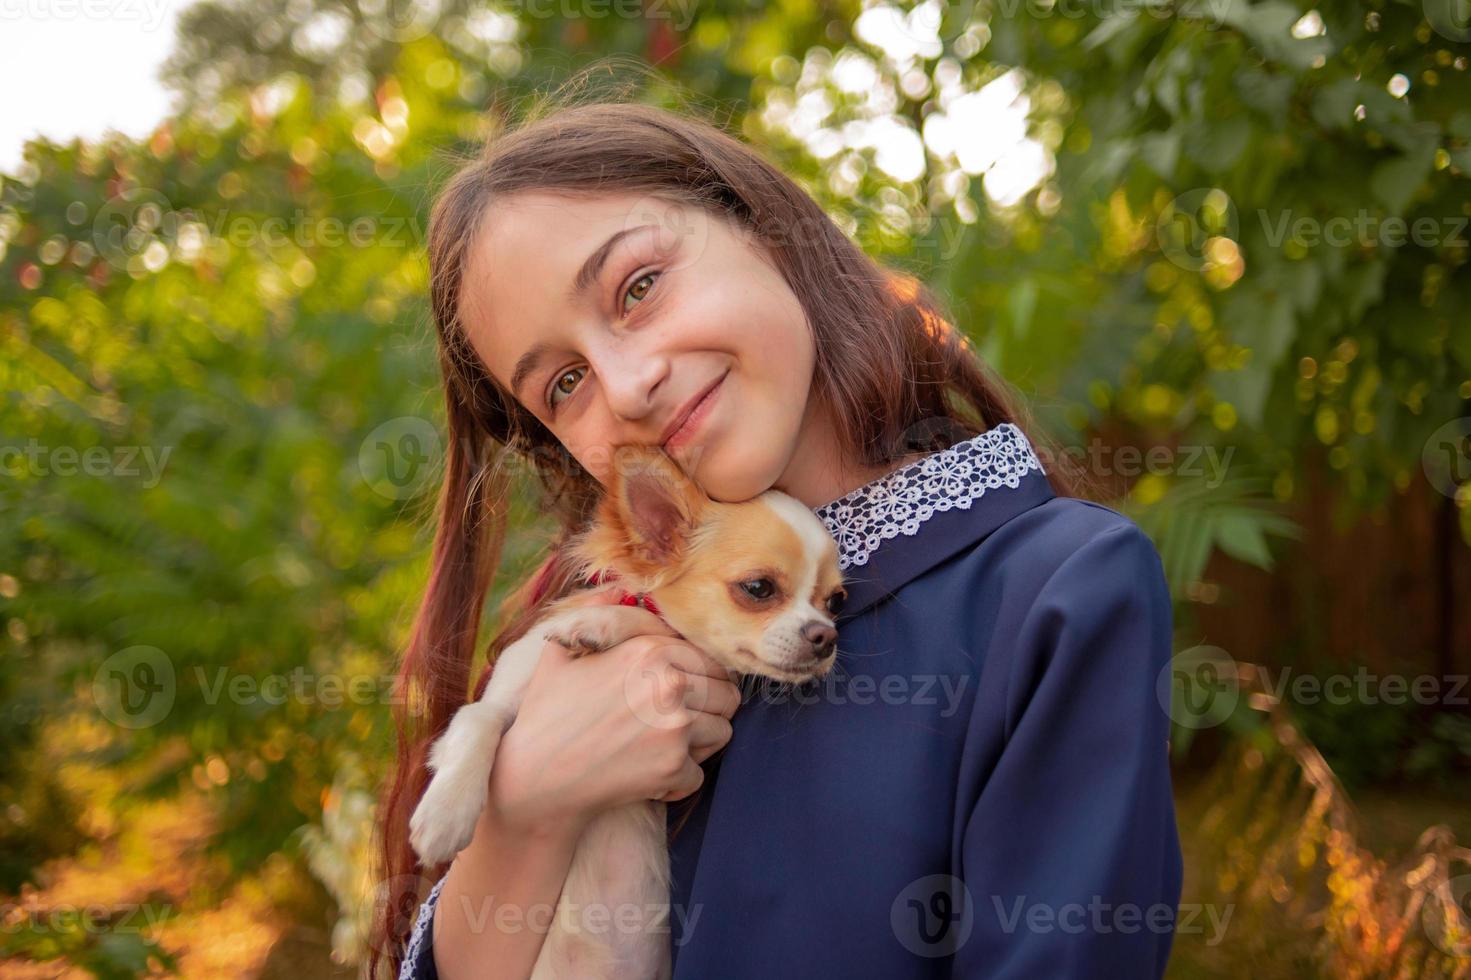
[(567, 381), (639, 289), (758, 588), (565, 385)]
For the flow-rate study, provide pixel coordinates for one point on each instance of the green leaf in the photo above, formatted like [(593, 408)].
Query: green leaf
[(1216, 144), (1333, 105), (1266, 93), (1264, 323), (1022, 303), (1160, 152), (1110, 28), (1396, 181), (1269, 26), (1243, 538)]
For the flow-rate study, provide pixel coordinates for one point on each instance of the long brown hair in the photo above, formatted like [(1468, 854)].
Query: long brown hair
[(898, 377)]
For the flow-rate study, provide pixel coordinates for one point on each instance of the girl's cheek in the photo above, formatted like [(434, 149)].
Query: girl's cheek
[(591, 447)]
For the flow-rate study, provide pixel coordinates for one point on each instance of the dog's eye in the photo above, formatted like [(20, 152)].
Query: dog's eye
[(835, 602), (759, 588)]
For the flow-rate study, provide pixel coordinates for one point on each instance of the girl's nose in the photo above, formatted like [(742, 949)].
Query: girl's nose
[(630, 379)]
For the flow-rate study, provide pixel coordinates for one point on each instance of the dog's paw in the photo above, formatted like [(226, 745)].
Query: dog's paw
[(444, 821), (582, 637)]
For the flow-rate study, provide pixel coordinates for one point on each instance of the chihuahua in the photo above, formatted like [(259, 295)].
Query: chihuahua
[(755, 585)]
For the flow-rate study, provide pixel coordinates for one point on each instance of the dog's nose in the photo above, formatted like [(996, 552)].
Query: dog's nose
[(822, 637)]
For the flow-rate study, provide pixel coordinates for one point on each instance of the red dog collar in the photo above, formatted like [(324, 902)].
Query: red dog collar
[(625, 598)]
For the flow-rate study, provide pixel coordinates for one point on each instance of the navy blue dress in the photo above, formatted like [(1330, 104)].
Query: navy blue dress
[(981, 787)]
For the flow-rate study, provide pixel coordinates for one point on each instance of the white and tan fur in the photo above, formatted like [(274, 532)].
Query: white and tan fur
[(696, 558)]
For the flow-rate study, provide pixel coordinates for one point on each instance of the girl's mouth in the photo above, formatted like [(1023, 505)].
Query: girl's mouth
[(696, 417)]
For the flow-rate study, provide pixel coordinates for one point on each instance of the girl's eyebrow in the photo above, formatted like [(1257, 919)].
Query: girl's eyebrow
[(593, 267), (527, 364)]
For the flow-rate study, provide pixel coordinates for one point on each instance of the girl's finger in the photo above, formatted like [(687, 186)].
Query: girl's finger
[(712, 695), (689, 780), (708, 734)]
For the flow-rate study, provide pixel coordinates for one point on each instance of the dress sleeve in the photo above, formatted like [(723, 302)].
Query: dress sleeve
[(418, 961), (1070, 854)]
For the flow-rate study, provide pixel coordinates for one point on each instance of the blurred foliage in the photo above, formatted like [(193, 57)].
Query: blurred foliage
[(1390, 743), (219, 397), (1280, 870)]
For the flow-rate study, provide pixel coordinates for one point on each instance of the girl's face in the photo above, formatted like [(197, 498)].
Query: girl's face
[(610, 316)]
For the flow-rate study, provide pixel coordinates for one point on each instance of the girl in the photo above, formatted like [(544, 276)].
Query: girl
[(981, 787)]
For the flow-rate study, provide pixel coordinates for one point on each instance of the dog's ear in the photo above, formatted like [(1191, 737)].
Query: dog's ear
[(656, 503)]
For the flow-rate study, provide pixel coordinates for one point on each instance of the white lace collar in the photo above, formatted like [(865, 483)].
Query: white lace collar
[(900, 501)]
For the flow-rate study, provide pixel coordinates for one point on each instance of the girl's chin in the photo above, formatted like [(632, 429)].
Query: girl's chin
[(696, 458), (727, 474)]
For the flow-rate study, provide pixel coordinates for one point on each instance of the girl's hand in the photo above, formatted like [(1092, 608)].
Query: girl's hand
[(630, 723)]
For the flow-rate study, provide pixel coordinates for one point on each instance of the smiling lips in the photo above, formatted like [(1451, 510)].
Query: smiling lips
[(688, 421)]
